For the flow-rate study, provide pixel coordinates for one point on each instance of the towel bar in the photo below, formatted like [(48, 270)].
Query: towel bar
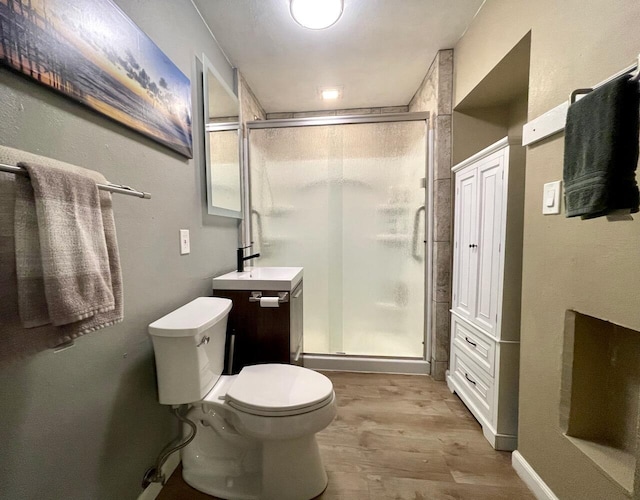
[(112, 188), (634, 69), (553, 121)]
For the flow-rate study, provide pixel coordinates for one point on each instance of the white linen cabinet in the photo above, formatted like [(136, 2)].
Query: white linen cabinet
[(487, 275)]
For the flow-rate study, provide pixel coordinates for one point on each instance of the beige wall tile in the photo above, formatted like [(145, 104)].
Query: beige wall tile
[(435, 96), (440, 324), (445, 82), (425, 98), (439, 369), (442, 167), (442, 271), (279, 116), (394, 109), (338, 112), (311, 114), (358, 111), (442, 210)]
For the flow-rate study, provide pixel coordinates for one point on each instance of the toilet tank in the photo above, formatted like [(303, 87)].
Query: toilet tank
[(189, 346)]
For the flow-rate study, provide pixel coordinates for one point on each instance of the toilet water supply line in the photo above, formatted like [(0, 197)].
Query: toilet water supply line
[(154, 474)]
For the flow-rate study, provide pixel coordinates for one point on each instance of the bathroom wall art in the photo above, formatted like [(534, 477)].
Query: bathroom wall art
[(92, 52)]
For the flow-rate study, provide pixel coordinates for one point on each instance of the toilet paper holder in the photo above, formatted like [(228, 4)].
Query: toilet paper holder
[(282, 297)]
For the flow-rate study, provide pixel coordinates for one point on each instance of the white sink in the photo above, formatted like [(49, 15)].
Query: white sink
[(260, 278)]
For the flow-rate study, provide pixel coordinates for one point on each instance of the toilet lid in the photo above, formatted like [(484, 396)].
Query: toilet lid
[(279, 390)]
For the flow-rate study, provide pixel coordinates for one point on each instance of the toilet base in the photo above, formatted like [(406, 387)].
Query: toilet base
[(226, 464), (246, 487), (292, 469)]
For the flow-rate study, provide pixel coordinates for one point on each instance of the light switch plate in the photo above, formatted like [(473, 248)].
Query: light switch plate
[(551, 198), (185, 244)]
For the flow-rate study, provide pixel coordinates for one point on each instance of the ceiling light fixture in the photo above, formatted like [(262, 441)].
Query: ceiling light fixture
[(330, 94), (316, 14)]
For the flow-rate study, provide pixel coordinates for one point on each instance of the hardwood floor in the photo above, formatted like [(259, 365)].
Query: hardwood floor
[(401, 437)]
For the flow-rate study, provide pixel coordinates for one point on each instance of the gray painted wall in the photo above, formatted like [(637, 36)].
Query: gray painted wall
[(85, 422)]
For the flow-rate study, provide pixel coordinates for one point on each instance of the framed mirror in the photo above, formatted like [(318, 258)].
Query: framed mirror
[(223, 144)]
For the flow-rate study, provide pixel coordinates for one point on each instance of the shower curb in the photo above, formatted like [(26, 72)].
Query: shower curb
[(406, 366)]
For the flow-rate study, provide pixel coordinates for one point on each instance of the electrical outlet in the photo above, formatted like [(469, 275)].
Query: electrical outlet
[(185, 244)]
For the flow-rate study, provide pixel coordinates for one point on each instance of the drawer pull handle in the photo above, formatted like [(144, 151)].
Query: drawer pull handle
[(205, 340), (470, 380), (469, 342)]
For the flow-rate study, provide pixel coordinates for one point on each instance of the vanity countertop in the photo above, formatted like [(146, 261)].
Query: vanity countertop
[(260, 278)]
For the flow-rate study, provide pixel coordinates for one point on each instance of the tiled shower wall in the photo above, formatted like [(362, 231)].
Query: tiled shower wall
[(339, 112), (435, 96)]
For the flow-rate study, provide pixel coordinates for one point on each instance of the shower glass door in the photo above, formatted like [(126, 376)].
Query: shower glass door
[(346, 202)]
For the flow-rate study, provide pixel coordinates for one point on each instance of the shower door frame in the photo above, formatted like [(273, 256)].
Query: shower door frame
[(347, 362)]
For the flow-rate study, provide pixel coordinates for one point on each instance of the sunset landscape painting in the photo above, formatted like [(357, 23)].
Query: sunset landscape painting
[(91, 51)]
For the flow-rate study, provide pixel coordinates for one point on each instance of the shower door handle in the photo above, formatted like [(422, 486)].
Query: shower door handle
[(258, 217), (416, 229)]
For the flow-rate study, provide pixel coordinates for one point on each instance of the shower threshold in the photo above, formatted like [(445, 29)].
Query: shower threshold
[(366, 364)]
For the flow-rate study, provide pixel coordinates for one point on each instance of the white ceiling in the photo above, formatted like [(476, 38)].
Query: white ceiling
[(378, 52)]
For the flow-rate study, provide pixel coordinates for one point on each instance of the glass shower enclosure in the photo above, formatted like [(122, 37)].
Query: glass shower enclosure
[(345, 198)]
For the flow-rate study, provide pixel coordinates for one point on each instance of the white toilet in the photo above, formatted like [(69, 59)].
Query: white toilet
[(256, 430)]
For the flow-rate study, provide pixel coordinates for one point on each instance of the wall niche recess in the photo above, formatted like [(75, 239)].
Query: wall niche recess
[(601, 393)]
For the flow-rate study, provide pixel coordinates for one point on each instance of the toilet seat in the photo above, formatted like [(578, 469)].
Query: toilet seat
[(276, 390)]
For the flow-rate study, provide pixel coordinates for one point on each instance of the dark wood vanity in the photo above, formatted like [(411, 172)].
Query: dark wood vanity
[(257, 334)]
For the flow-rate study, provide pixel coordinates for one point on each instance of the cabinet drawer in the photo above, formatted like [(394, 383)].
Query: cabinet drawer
[(476, 387), (474, 344)]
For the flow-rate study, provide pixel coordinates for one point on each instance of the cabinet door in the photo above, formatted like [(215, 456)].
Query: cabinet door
[(465, 260), (489, 179), (255, 334)]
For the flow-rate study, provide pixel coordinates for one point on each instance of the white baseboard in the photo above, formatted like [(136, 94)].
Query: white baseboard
[(530, 477), (366, 365), (153, 490)]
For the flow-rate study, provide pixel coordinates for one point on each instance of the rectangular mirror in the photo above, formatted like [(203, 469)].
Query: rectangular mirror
[(223, 144)]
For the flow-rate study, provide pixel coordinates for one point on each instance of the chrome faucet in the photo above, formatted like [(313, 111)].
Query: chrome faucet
[(242, 258)]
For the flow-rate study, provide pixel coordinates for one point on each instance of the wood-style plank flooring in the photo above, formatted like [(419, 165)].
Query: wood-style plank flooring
[(401, 437)]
